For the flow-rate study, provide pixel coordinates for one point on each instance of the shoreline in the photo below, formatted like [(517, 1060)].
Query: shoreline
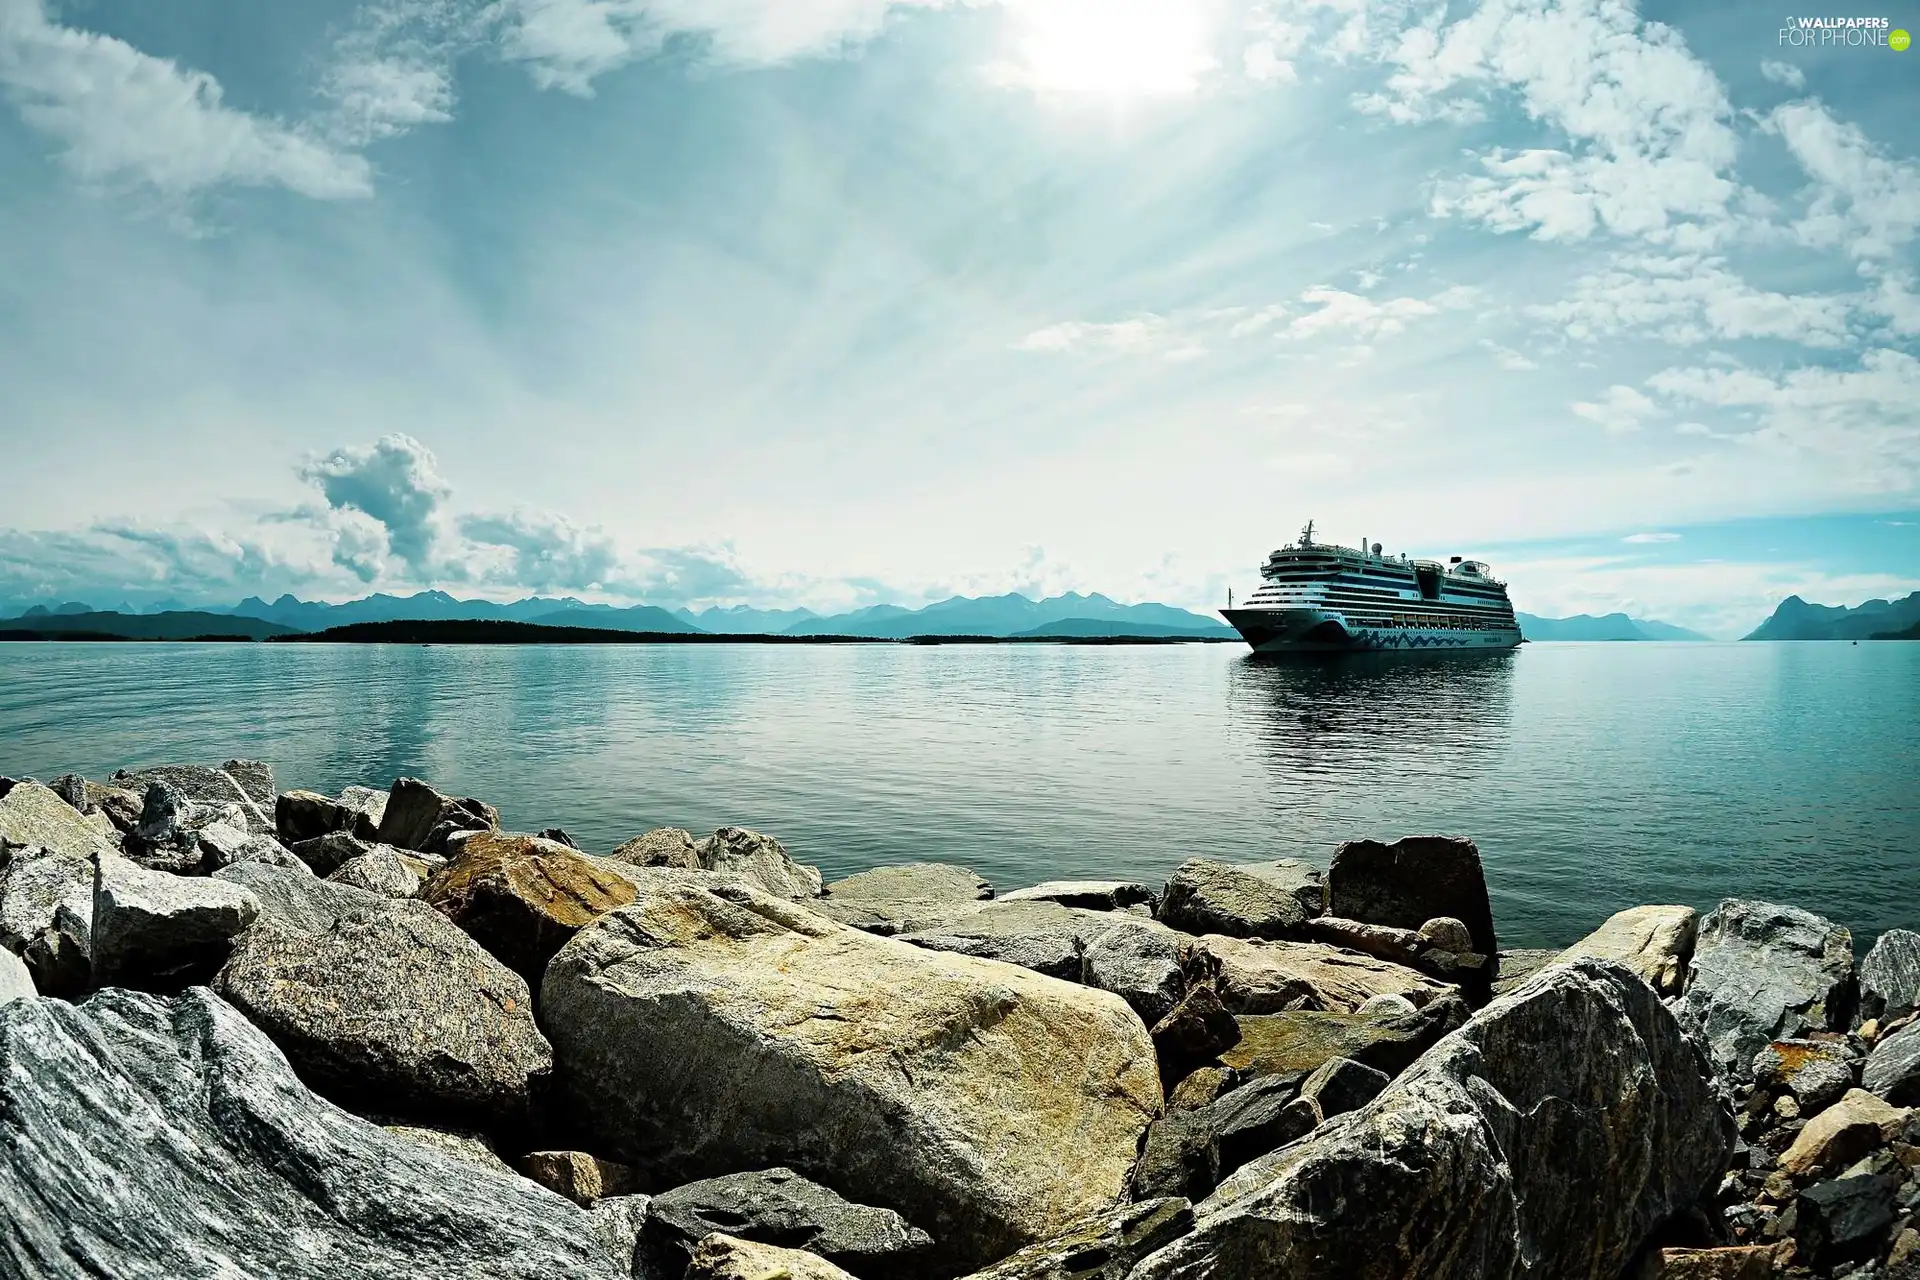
[(650, 1063)]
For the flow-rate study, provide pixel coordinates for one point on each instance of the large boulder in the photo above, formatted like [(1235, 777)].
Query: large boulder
[(895, 900), (46, 916), (154, 1138), (1387, 1040), (1269, 977), (1892, 1070), (419, 817), (1762, 973), (709, 1030), (1850, 1128), (661, 847), (1242, 899), (227, 785), (1192, 1032), (303, 815), (392, 1008), (155, 930), (1137, 959), (1890, 976), (1101, 1246), (381, 870), (222, 845), (33, 816), (1483, 1159), (1654, 942), (1411, 881), (760, 861), (168, 835), (778, 1206), (522, 897), (296, 898)]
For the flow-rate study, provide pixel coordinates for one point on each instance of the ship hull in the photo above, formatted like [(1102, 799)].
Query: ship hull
[(1325, 631)]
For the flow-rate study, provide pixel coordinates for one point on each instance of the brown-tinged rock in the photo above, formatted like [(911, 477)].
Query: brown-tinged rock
[(522, 897)]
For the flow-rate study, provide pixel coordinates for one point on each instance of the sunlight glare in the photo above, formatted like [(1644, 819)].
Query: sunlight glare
[(1117, 48)]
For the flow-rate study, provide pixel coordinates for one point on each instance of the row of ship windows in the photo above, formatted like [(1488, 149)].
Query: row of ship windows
[(1362, 584), (1352, 599), (1434, 624)]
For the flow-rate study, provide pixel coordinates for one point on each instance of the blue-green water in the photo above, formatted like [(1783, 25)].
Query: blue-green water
[(1593, 776)]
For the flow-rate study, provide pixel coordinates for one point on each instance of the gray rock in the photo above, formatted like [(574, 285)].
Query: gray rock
[(296, 898), (1255, 1119), (1180, 1156), (1387, 1004), (419, 817), (155, 930), (661, 847), (1890, 976), (216, 787), (1242, 900), (1272, 976), (1655, 942), (33, 816), (707, 1031), (1444, 933), (759, 860), (15, 982), (895, 900), (167, 836), (1340, 1085), (1844, 1219), (368, 801), (1092, 895), (620, 1222), (1817, 1073), (306, 815), (379, 870), (46, 917), (72, 788), (1893, 1068), (778, 1206), (222, 846), (394, 1009), (1104, 1246), (1399, 946), (1482, 1159), (559, 836), (1411, 881), (1193, 1032), (152, 1139), (1303, 1040), (1137, 959), (1761, 973), (326, 854)]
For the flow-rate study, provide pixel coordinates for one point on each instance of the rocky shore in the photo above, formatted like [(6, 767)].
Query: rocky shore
[(247, 1032)]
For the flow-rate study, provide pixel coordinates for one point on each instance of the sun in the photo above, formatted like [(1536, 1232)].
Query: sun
[(1112, 48)]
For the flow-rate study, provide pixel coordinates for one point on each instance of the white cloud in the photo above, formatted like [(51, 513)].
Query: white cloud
[(1648, 124), (545, 551), (1350, 314), (1507, 358), (1622, 409), (1861, 199), (1898, 303), (1861, 423), (1784, 73), (1687, 299), (1120, 335), (1641, 538), (396, 483), (123, 116)]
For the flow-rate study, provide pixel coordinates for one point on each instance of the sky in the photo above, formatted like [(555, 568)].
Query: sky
[(841, 302)]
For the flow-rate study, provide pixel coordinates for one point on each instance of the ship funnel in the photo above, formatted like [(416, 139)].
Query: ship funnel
[(1376, 548)]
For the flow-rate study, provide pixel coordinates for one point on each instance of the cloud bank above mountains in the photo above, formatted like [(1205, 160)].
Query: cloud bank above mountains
[(840, 301)]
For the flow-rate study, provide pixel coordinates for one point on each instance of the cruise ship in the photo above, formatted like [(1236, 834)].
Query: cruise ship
[(1322, 598)]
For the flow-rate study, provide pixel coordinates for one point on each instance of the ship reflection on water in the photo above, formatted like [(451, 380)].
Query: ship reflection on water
[(1396, 720)]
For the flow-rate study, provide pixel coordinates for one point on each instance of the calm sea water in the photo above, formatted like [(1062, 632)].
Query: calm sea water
[(1593, 776)]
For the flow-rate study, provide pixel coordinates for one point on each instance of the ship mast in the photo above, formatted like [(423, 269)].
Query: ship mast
[(1306, 535)]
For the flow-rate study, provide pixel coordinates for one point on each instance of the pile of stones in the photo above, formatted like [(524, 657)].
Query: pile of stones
[(246, 1031)]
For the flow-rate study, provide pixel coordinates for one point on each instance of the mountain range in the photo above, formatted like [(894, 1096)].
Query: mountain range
[(1612, 626), (1010, 615), (1795, 619)]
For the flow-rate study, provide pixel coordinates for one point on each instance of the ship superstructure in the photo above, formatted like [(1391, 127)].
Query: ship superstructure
[(1321, 597)]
